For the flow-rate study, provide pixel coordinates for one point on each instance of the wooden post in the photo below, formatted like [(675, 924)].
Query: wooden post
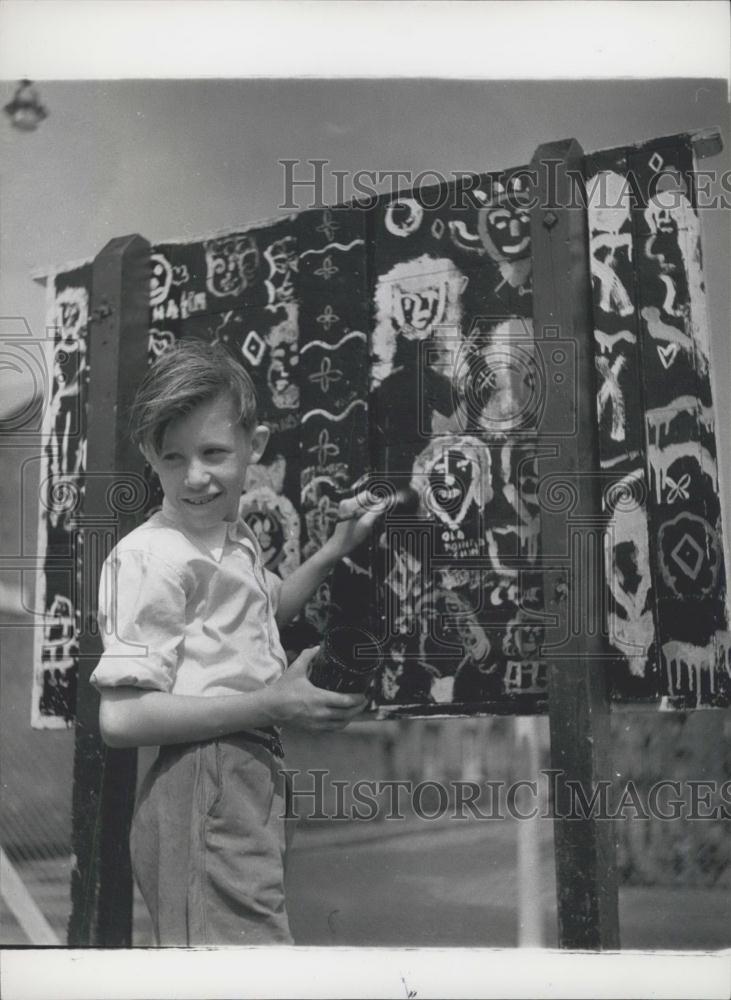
[(114, 499), (571, 534)]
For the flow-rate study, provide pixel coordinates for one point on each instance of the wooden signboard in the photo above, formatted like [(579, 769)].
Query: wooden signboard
[(401, 341)]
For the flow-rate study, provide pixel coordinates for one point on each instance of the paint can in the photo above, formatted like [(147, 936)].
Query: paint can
[(347, 660)]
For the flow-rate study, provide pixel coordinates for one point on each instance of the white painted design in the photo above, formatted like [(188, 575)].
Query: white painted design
[(327, 317), (437, 229), (493, 553), (282, 259), (327, 270), (497, 381), (357, 570), (410, 214), (634, 632), (276, 524), (161, 278), (655, 162), (608, 213), (411, 300), (192, 302), (671, 295), (607, 342), (167, 310), (660, 418), (679, 490), (253, 348), (332, 246), (418, 311), (670, 213), (609, 205), (328, 226), (667, 354), (525, 677), (442, 690), (608, 463), (160, 341), (659, 330), (661, 460), (451, 475), (463, 238), (613, 296), (610, 393), (231, 264), (283, 361), (337, 417), (326, 376), (353, 335), (325, 449), (404, 568), (529, 525), (270, 475), (689, 555), (685, 666)]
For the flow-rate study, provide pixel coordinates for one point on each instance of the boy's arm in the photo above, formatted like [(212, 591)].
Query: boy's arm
[(349, 533), (133, 717), (302, 583)]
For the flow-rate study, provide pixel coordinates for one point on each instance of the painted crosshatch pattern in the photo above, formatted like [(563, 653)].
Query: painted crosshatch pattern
[(398, 342)]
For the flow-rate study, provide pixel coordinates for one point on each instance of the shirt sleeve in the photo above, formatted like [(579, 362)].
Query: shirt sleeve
[(142, 621), (274, 584)]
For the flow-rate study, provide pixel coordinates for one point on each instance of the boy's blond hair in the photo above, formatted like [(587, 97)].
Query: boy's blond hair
[(190, 373)]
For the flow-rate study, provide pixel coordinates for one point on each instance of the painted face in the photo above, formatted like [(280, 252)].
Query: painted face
[(505, 230), (202, 462), (660, 216), (452, 482), (161, 278), (232, 263), (417, 312), (475, 641), (72, 311)]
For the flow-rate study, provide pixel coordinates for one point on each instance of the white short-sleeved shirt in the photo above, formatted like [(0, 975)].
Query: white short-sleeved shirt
[(188, 613)]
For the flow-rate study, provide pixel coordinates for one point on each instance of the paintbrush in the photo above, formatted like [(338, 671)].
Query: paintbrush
[(403, 501)]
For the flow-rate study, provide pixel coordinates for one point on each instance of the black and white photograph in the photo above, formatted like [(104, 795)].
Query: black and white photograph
[(365, 373)]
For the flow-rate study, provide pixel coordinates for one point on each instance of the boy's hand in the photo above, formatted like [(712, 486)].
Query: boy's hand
[(357, 517), (300, 703)]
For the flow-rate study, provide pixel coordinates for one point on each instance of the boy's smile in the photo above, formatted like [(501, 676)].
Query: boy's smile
[(202, 462)]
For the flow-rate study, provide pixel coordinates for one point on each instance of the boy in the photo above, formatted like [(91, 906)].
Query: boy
[(193, 662)]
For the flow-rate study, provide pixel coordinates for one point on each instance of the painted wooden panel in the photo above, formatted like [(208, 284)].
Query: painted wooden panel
[(631, 593), (454, 387), (686, 548), (55, 670), (398, 342)]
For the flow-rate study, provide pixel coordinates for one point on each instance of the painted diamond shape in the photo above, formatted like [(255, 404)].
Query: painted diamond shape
[(689, 556), (437, 229), (656, 161), (253, 348)]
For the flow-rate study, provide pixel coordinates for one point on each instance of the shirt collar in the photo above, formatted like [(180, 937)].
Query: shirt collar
[(215, 537)]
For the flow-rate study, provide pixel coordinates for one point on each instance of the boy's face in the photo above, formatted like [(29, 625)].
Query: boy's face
[(203, 460)]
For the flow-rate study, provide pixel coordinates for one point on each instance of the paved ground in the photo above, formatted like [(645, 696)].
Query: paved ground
[(434, 884)]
